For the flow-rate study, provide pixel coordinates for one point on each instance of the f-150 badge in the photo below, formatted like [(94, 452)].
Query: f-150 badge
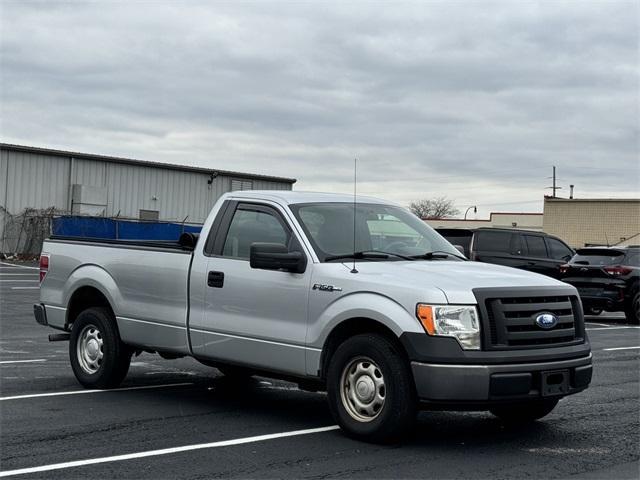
[(326, 288)]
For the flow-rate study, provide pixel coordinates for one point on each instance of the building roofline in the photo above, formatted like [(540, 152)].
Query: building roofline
[(578, 200), (476, 220), (143, 163)]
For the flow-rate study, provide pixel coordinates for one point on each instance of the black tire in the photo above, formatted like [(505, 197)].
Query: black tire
[(397, 412), (632, 309), (99, 359), (525, 412)]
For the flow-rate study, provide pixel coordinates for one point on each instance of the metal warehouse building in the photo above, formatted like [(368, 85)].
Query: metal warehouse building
[(39, 182)]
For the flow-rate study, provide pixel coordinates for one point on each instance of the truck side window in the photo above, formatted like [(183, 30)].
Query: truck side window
[(535, 245), (558, 250), (250, 226)]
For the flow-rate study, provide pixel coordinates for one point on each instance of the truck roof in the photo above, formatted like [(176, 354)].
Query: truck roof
[(292, 197)]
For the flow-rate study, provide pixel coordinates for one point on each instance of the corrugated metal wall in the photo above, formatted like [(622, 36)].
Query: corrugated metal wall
[(34, 180)]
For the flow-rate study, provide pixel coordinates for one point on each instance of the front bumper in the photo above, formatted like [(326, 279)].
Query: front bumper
[(452, 384)]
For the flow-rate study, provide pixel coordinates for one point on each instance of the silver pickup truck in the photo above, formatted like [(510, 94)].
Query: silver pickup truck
[(364, 301)]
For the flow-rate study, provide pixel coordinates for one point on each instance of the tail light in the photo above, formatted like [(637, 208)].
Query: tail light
[(618, 270), (44, 266), (564, 268)]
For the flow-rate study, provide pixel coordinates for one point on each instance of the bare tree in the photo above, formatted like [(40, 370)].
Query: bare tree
[(440, 207)]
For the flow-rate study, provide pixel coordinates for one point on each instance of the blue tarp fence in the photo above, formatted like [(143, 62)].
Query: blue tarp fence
[(109, 228)]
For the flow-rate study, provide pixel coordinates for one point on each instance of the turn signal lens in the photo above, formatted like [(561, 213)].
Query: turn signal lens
[(425, 315), (564, 268)]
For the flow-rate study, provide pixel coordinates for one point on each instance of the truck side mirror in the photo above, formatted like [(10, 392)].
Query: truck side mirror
[(460, 248), (276, 256), (188, 240)]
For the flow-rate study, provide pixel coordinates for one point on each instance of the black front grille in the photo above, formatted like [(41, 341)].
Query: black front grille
[(510, 320)]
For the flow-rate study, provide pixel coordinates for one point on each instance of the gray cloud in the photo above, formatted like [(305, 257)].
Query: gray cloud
[(472, 100)]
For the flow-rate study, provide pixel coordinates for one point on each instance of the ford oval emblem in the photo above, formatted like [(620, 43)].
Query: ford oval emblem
[(546, 320)]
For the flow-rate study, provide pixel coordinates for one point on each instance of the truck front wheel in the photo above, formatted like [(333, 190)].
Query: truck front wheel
[(525, 412), (370, 389), (99, 359)]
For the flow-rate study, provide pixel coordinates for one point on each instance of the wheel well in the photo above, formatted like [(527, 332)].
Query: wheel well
[(83, 298), (349, 328)]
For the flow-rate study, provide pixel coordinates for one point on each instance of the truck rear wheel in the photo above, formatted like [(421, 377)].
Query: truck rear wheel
[(99, 359), (370, 389), (525, 412)]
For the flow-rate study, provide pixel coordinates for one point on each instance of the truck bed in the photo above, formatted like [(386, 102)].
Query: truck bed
[(146, 282)]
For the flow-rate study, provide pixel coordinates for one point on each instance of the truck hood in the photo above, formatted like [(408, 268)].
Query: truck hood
[(455, 279)]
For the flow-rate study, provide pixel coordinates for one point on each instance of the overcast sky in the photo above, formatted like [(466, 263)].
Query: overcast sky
[(472, 100)]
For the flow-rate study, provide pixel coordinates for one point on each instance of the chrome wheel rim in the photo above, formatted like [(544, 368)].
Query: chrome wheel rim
[(89, 350), (362, 389)]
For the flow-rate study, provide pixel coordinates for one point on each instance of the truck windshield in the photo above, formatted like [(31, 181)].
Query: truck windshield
[(378, 227)]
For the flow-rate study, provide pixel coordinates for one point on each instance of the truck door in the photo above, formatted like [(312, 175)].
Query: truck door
[(251, 316)]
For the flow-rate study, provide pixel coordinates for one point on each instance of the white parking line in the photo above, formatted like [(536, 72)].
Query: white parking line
[(167, 451), (20, 274), (80, 392), (18, 266), (619, 348), (610, 328), (25, 288), (23, 361)]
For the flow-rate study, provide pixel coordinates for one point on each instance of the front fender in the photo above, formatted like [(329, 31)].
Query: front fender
[(362, 305), (357, 305)]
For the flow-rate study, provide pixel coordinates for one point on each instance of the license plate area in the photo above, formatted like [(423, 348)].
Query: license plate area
[(555, 382)]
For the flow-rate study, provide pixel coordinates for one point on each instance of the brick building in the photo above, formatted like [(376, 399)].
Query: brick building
[(592, 221)]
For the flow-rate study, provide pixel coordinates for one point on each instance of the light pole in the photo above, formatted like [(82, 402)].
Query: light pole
[(475, 210)]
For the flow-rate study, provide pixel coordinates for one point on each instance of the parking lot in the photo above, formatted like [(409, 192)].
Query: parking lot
[(178, 418)]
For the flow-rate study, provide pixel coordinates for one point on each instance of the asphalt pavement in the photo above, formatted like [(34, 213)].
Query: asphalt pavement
[(180, 419)]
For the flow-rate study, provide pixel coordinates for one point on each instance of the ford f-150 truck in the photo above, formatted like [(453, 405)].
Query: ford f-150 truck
[(362, 300)]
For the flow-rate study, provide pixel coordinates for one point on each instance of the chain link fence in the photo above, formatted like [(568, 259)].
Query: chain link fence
[(23, 233)]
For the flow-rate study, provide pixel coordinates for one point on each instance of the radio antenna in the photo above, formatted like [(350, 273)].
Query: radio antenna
[(355, 178)]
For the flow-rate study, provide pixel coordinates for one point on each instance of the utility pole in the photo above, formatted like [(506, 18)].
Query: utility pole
[(554, 187)]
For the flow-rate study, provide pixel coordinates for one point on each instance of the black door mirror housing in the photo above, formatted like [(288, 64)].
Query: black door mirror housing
[(276, 256)]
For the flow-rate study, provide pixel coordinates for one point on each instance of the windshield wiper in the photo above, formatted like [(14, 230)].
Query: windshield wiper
[(436, 254), (367, 254)]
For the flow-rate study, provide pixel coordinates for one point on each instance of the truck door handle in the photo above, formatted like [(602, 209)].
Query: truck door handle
[(215, 279)]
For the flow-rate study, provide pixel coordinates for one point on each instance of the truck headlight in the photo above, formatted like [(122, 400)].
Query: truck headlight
[(457, 321)]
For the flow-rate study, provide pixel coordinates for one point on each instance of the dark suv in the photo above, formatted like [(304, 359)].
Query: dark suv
[(524, 249), (607, 278)]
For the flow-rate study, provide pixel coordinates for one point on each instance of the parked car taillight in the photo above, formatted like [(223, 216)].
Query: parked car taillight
[(618, 270), (44, 266), (564, 268)]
